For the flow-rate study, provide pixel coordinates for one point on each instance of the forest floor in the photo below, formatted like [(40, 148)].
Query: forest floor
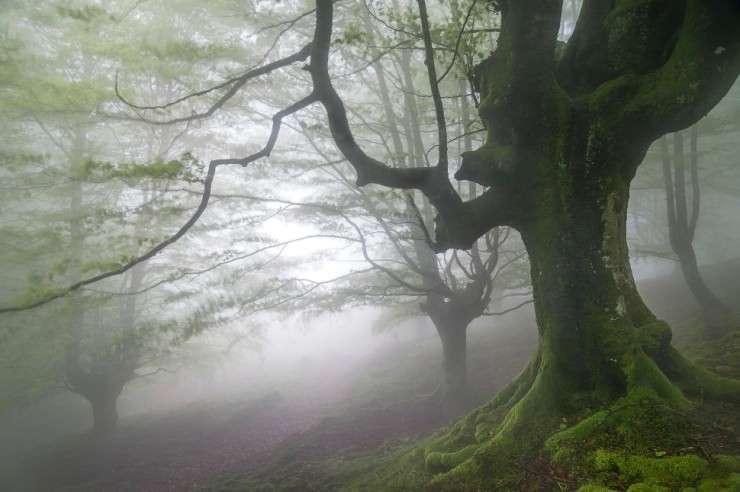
[(333, 408), (330, 414)]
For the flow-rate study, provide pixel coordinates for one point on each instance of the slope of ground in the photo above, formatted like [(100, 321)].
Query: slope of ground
[(325, 428), (309, 462)]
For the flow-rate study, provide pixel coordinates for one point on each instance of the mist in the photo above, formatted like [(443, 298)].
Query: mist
[(379, 245)]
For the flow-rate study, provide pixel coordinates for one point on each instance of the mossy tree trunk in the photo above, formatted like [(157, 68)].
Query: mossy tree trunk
[(566, 133), (565, 138), (588, 310)]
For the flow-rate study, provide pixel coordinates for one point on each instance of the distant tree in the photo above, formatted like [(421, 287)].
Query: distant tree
[(75, 174), (683, 216), (451, 289)]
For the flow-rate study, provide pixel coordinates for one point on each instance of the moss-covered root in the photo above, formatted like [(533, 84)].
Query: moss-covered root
[(467, 434), (696, 381), (503, 448)]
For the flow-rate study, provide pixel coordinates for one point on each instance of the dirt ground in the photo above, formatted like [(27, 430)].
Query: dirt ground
[(186, 449), (179, 450)]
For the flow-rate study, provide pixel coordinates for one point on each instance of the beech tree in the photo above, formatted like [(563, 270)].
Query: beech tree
[(75, 176)]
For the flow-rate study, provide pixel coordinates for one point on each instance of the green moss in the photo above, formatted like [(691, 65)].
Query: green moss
[(655, 337), (639, 446), (697, 381), (646, 381), (643, 487), (437, 462), (718, 354), (730, 483), (517, 440), (727, 463), (675, 471)]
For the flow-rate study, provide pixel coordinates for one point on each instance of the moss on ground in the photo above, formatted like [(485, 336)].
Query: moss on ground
[(718, 354)]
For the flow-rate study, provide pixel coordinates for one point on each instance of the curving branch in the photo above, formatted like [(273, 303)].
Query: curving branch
[(236, 83), (458, 223), (434, 85), (368, 169), (676, 72)]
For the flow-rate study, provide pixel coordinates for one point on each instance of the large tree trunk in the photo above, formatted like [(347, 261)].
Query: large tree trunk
[(101, 387), (563, 164), (601, 350), (454, 348), (589, 313)]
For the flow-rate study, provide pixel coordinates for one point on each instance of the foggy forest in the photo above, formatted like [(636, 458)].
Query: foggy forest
[(370, 245)]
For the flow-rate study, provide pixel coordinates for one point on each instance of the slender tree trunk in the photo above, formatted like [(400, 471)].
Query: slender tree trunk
[(682, 221), (105, 410), (454, 350), (451, 318)]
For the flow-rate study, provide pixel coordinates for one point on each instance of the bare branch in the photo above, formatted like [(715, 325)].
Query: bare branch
[(455, 52), (505, 311), (368, 170), (236, 83), (434, 84)]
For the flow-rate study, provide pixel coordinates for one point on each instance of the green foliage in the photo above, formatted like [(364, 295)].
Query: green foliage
[(187, 168), (353, 34)]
